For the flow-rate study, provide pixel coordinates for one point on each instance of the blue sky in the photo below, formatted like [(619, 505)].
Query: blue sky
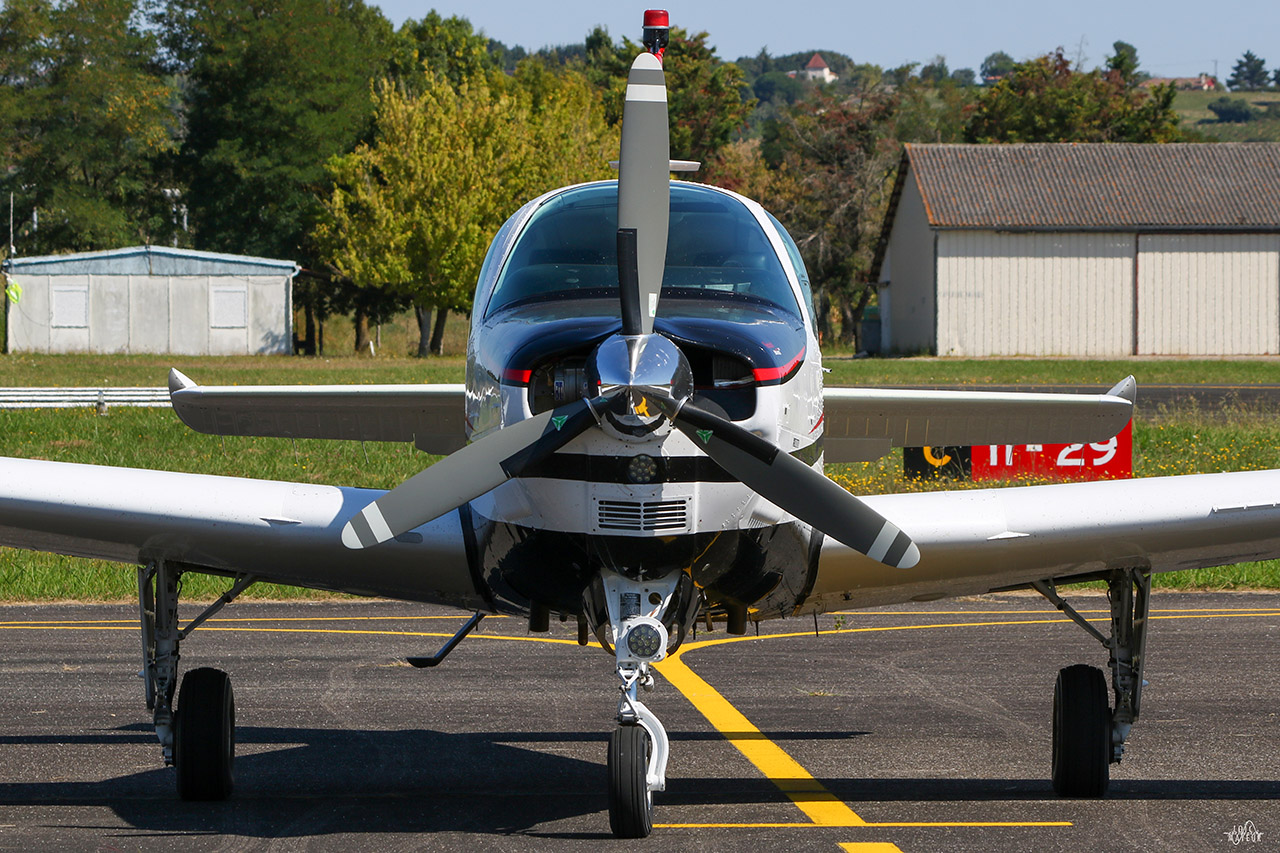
[(1173, 37)]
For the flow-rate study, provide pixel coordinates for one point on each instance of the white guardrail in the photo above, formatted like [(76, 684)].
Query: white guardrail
[(75, 398)]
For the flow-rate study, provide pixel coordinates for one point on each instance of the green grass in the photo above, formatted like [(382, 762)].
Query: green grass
[(1176, 443), (1193, 107)]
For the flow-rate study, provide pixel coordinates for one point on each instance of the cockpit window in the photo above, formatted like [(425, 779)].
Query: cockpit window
[(715, 249)]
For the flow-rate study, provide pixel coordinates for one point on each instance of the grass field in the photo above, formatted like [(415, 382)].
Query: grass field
[(154, 438), (1193, 107)]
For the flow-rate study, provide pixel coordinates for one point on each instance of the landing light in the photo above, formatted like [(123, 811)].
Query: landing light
[(644, 641)]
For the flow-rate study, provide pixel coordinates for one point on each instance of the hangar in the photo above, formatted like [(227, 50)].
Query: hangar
[(1082, 250), (150, 299)]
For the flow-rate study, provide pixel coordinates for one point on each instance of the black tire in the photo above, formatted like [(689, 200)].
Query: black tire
[(1081, 733), (630, 801), (204, 735)]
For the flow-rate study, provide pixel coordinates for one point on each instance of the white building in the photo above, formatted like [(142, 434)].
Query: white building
[(1082, 250), (150, 299)]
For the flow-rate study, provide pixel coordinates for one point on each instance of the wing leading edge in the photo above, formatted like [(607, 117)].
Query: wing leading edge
[(862, 424), (283, 532), (431, 416), (972, 542)]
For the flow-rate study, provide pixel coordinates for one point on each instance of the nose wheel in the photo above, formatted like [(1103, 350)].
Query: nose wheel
[(630, 800)]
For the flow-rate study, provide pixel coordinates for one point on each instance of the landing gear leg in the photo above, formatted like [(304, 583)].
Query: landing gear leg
[(1088, 735), (199, 738), (639, 747)]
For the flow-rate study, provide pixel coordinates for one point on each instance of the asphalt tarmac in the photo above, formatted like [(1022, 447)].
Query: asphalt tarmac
[(915, 729)]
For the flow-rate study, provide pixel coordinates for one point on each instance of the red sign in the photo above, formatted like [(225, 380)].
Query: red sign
[(1104, 460)]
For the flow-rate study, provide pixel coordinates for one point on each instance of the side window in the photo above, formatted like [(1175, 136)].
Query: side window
[(793, 251)]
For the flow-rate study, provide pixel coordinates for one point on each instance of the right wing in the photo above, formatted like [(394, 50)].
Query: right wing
[(431, 416), (288, 533)]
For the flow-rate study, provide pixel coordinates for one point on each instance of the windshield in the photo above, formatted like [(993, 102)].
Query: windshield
[(715, 248)]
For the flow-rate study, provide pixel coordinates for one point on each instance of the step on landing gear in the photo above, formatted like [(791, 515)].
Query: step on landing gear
[(1088, 734), (199, 738), (639, 747)]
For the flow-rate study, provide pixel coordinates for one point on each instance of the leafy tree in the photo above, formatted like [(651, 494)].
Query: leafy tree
[(935, 71), (704, 93), (778, 87), (833, 164), (87, 124), (1046, 100), (446, 46), (412, 212), (1249, 74), (996, 65), (1233, 110), (964, 77), (274, 90), (1125, 63)]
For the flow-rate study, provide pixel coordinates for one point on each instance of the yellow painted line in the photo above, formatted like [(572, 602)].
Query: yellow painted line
[(819, 805), (249, 619), (870, 847), (919, 824), (1042, 610)]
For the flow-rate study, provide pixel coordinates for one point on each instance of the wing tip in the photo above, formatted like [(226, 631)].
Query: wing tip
[(1126, 389), (178, 381)]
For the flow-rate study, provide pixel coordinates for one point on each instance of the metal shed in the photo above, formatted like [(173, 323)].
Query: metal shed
[(1083, 250), (151, 299)]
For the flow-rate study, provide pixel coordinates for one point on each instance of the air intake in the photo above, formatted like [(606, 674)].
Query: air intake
[(647, 515)]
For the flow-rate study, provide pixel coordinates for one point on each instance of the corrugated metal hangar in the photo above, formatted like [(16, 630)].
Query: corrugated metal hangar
[(1082, 250), (151, 299)]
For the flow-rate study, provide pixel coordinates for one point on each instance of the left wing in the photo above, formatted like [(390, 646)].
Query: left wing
[(862, 424), (431, 416), (977, 541)]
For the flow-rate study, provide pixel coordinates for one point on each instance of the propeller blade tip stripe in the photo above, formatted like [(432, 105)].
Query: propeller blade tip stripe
[(884, 542), (910, 558), (378, 526), (647, 92)]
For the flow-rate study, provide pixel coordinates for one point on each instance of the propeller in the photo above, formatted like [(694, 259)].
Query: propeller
[(642, 379)]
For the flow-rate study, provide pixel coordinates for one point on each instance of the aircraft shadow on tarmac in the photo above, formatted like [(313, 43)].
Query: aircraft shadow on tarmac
[(300, 782)]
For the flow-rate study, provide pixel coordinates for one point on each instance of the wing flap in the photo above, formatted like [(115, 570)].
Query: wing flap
[(974, 541), (288, 533), (431, 416), (859, 422)]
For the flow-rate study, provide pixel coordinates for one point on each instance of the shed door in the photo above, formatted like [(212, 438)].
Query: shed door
[(1207, 294)]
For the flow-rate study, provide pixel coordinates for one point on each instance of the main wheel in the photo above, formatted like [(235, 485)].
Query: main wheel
[(1081, 733), (630, 800), (204, 735)]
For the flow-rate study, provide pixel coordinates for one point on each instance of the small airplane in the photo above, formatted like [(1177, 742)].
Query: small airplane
[(639, 443)]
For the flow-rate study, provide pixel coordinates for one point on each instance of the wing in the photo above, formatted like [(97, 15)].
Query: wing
[(973, 542), (431, 416), (861, 424), (288, 533)]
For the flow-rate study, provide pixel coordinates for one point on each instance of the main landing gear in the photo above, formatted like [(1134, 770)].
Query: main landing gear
[(639, 747), (198, 739), (1088, 734)]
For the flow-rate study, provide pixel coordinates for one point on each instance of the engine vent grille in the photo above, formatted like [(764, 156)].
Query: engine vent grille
[(642, 515)]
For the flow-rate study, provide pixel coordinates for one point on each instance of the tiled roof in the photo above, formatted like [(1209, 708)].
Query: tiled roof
[(1208, 186), (816, 62)]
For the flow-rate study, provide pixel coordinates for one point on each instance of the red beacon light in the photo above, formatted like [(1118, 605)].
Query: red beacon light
[(657, 27)]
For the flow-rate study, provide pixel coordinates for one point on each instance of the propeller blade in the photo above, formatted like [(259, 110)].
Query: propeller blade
[(467, 474), (795, 487), (644, 194)]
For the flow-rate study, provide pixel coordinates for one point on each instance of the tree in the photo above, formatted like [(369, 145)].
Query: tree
[(1125, 63), (1046, 100), (87, 124), (935, 71), (704, 93), (964, 77), (995, 66), (274, 90), (1234, 110), (1249, 74), (833, 164), (412, 211)]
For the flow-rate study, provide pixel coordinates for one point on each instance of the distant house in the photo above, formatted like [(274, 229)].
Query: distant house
[(816, 69), (1082, 250), (150, 299), (1202, 83)]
